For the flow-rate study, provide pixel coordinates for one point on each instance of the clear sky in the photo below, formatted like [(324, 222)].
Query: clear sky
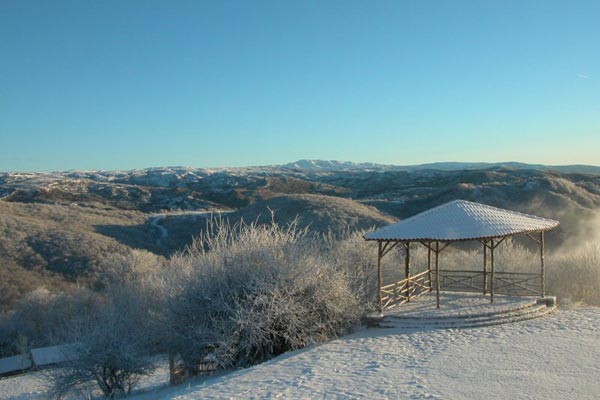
[(133, 84)]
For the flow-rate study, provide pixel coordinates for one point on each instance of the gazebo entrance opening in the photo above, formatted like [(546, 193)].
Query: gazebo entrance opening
[(459, 221)]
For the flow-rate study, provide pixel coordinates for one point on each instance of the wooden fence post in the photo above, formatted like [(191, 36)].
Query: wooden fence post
[(492, 267), (484, 267), (543, 272), (407, 269), (429, 266), (379, 279), (437, 274)]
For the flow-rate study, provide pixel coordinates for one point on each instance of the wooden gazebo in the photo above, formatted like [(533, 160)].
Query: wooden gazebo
[(458, 221)]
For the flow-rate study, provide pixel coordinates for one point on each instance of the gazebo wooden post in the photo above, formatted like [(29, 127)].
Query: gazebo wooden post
[(429, 266), (485, 268), (407, 269), (379, 279), (437, 274), (492, 268), (543, 271)]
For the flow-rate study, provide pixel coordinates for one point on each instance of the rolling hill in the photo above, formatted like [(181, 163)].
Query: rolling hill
[(60, 246), (56, 228)]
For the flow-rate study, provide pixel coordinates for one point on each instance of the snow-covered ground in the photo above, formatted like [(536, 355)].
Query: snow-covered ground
[(34, 386), (551, 358)]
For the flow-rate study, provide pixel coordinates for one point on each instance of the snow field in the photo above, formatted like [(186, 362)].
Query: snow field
[(551, 358)]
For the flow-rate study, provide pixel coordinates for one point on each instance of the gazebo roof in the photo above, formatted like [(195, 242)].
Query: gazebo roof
[(462, 220)]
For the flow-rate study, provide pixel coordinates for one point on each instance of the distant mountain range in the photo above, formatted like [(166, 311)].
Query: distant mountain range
[(186, 188), (301, 166), (332, 165)]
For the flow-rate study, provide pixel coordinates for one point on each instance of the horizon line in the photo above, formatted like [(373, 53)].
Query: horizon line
[(358, 163)]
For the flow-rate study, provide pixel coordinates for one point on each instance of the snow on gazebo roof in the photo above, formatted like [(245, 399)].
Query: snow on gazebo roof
[(462, 220)]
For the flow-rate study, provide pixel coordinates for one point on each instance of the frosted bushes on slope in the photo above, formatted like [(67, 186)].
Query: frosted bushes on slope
[(108, 349), (111, 341), (572, 273), (514, 256), (247, 293), (237, 296), (575, 273), (40, 316), (138, 267), (242, 294), (356, 260)]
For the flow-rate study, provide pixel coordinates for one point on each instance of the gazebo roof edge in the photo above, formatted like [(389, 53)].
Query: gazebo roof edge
[(462, 220), (431, 239)]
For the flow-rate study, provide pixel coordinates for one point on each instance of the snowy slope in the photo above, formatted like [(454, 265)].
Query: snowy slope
[(552, 358)]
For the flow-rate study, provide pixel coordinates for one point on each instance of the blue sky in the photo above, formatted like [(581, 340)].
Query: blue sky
[(133, 84)]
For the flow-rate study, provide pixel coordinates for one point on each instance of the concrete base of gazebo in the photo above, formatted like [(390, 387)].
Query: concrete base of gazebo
[(464, 310)]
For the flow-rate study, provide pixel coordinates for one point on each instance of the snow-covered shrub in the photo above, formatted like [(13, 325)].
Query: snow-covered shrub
[(110, 343), (574, 273), (355, 257), (454, 258), (242, 294), (39, 316), (30, 322), (135, 267), (108, 349), (511, 255)]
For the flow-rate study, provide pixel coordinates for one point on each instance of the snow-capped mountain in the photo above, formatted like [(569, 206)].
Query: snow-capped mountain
[(333, 165)]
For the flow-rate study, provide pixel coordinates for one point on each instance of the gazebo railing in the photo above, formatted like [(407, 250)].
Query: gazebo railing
[(461, 280), (403, 291), (510, 283), (518, 283)]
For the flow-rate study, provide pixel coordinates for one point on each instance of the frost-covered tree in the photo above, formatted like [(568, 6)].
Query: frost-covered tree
[(108, 350), (110, 347)]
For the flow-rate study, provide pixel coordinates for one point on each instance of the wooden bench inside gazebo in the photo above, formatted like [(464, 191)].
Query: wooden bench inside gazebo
[(459, 221)]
